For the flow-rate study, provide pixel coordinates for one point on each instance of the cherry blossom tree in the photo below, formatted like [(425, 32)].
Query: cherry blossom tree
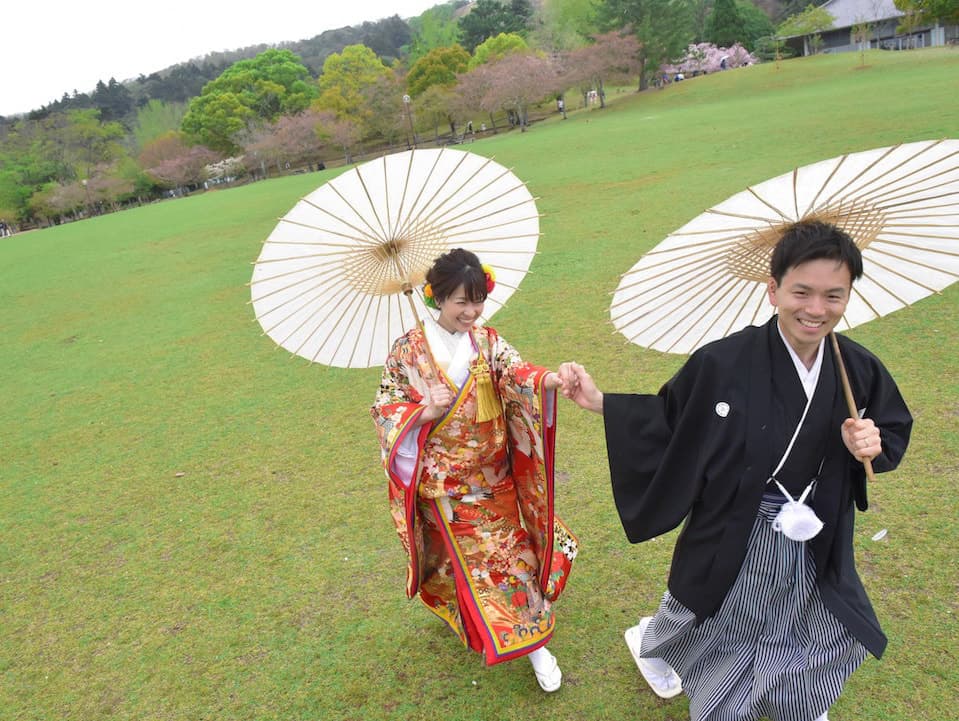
[(471, 89), (299, 136), (262, 149), (107, 187), (342, 132), (707, 58), (291, 140), (694, 62), (518, 81), (171, 163), (610, 55), (739, 57), (226, 170), (386, 112), (58, 200)]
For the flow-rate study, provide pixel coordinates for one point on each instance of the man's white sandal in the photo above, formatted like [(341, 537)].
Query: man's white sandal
[(663, 685)]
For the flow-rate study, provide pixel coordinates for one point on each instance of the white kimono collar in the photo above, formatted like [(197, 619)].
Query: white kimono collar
[(452, 351), (809, 377)]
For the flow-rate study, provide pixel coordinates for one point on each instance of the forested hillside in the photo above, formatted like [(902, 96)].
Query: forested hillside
[(457, 70), (117, 99)]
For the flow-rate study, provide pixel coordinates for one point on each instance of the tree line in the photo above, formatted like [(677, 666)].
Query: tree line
[(447, 73)]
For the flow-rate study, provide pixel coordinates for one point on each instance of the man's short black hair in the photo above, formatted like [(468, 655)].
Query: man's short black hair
[(811, 240)]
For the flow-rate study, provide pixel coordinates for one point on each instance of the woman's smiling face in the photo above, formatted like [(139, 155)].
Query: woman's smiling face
[(458, 312)]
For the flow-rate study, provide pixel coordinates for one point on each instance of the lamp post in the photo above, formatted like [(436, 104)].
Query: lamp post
[(409, 117)]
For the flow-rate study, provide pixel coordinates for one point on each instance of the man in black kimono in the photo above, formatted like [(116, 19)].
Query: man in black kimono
[(758, 623)]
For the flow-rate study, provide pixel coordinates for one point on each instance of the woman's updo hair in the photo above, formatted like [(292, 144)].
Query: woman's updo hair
[(454, 269)]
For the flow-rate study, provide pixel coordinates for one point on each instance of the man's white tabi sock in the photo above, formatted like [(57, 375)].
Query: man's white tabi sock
[(657, 664)]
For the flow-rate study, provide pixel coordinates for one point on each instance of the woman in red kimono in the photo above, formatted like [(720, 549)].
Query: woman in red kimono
[(467, 432)]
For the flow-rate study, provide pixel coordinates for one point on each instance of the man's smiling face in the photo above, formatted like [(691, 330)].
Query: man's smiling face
[(810, 299)]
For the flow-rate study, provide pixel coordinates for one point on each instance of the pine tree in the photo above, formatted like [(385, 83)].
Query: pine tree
[(663, 27), (725, 26)]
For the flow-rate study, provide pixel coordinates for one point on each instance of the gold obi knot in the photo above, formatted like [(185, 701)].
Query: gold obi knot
[(487, 401)]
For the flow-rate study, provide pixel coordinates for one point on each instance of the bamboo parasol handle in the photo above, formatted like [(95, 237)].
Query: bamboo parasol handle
[(850, 401), (408, 292)]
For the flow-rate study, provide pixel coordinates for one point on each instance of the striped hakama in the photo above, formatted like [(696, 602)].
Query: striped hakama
[(771, 650)]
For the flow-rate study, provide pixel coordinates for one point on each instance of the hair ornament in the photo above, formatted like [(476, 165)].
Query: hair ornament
[(490, 277), (428, 298)]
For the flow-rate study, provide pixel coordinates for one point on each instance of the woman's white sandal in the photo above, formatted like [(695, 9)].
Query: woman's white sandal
[(551, 679)]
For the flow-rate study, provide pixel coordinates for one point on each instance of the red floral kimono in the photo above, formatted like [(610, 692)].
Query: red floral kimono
[(475, 511)]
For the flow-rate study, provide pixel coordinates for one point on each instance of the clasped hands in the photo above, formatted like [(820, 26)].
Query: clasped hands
[(577, 385)]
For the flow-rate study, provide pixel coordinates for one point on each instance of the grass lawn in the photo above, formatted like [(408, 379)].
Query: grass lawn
[(193, 525)]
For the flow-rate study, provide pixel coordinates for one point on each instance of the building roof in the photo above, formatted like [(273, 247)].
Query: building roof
[(852, 12)]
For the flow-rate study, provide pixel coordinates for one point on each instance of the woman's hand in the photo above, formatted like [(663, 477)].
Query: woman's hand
[(552, 381), (440, 399)]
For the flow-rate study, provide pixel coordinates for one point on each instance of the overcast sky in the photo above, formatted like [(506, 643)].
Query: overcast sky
[(49, 48)]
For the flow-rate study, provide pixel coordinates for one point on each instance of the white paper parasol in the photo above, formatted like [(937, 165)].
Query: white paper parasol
[(329, 284), (900, 204)]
